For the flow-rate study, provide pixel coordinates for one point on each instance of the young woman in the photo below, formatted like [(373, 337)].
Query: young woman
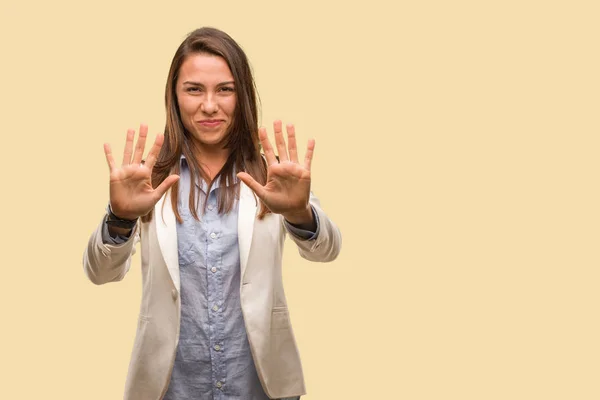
[(211, 213)]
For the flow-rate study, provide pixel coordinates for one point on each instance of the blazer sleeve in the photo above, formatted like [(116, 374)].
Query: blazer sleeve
[(326, 246), (105, 262)]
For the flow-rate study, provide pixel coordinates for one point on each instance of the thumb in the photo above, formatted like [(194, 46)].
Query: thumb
[(252, 184), (165, 185)]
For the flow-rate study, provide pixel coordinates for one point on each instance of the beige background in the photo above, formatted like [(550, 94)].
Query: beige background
[(457, 149)]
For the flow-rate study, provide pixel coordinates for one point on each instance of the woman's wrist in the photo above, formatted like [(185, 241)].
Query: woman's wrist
[(303, 219), (113, 220)]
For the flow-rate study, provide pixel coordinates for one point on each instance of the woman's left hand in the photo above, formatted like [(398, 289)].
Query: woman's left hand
[(287, 190)]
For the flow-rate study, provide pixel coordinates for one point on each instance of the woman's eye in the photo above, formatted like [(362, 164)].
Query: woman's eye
[(227, 89), (193, 89)]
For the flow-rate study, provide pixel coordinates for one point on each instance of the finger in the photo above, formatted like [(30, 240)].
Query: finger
[(252, 184), (310, 148), (109, 157), (165, 185), (128, 147), (291, 131), (141, 143), (266, 145), (154, 151), (280, 142)]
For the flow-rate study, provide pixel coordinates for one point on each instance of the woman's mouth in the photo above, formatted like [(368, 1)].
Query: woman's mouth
[(210, 123)]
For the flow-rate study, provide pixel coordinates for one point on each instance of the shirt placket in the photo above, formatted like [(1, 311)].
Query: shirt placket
[(215, 290)]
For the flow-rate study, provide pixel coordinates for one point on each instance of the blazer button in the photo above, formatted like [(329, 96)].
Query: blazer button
[(174, 294)]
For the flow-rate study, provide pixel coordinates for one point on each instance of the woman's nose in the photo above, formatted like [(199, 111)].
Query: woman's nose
[(209, 105)]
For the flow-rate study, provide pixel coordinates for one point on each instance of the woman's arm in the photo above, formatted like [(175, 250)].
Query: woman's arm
[(326, 244), (104, 261), (131, 196)]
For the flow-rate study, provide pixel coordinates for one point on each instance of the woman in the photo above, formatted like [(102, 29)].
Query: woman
[(211, 214)]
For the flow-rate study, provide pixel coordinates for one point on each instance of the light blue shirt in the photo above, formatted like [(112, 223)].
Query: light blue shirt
[(213, 359)]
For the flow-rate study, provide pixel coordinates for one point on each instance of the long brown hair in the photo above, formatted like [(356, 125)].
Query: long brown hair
[(242, 137)]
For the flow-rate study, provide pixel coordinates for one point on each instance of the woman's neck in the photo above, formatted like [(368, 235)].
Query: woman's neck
[(212, 160)]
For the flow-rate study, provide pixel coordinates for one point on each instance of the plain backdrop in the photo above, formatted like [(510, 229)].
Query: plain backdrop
[(456, 148)]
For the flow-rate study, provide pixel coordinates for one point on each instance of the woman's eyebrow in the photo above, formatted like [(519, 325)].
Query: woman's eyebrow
[(200, 84)]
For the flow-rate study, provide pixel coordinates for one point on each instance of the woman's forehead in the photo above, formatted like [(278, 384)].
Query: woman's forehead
[(205, 69)]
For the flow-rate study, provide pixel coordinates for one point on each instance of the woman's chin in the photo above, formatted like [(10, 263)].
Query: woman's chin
[(210, 142)]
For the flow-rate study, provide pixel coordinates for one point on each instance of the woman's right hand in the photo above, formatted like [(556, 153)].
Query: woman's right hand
[(131, 191)]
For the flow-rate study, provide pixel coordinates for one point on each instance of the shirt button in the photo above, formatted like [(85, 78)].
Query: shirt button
[(217, 347), (219, 385), (213, 235), (213, 269), (215, 308), (210, 207)]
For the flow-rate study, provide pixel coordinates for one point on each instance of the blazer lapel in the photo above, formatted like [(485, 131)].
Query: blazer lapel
[(166, 232), (246, 216)]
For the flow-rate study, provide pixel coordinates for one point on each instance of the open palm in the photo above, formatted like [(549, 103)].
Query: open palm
[(287, 189), (131, 191)]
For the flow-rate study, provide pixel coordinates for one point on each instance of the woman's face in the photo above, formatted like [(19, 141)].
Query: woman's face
[(206, 99)]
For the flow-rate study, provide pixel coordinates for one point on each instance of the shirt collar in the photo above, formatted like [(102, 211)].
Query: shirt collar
[(183, 164)]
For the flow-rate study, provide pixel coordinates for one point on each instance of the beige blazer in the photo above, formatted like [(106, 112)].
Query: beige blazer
[(263, 300)]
